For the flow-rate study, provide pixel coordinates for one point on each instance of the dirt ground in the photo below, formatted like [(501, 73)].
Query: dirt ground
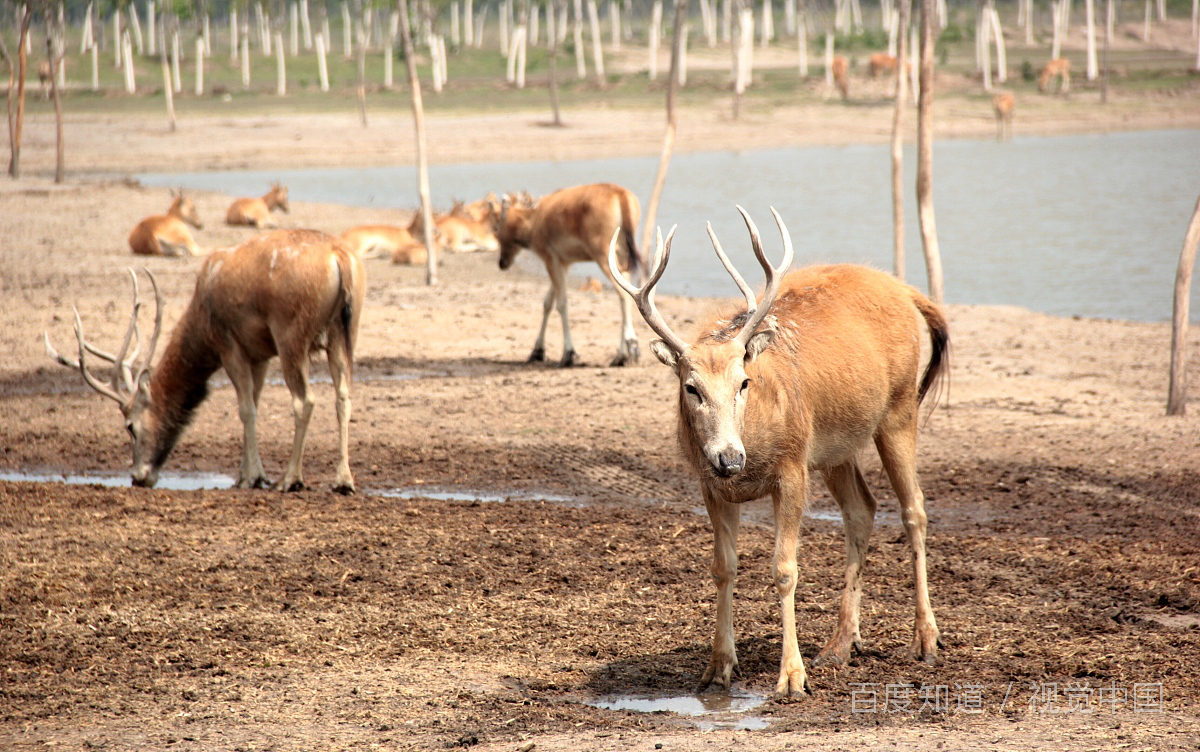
[(1062, 505)]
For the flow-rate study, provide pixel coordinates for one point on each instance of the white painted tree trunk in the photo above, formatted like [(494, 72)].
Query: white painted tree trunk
[(1001, 52), (233, 35), (435, 65), (983, 35), (468, 22), (306, 25), (614, 20), (176, 51), (294, 27), (480, 25), (347, 42), (136, 26), (151, 29), (683, 58), (856, 14), (510, 70), (455, 27), (119, 51), (577, 30), (1146, 27), (95, 50), (943, 16), (130, 77), (245, 58), (652, 40), (891, 29), (726, 20), (597, 46), (86, 37), (1162, 10), (206, 35), (768, 23), (789, 16), (1064, 7), (1028, 22), (322, 64), (522, 44), (828, 65), (747, 44), (505, 50), (1177, 382), (199, 66), (280, 66), (925, 215), (388, 58), (1056, 23), (802, 42), (914, 80), (443, 60), (707, 23), (1093, 64)]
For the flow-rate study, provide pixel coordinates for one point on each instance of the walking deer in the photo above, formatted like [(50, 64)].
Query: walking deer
[(167, 234), (288, 293), (1003, 105), (802, 379), (1059, 68), (570, 225), (256, 212)]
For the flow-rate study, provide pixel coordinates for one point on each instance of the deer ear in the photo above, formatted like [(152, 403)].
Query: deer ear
[(664, 353), (759, 342)]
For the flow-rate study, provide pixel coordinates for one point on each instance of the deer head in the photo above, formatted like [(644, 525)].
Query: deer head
[(278, 198), (129, 385), (512, 229), (713, 380), (184, 208)]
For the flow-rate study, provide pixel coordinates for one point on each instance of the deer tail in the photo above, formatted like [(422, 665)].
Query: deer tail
[(938, 369), (638, 267), (348, 269)]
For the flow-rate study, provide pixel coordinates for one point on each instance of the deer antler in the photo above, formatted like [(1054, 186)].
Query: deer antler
[(757, 310), (644, 295), (158, 317)]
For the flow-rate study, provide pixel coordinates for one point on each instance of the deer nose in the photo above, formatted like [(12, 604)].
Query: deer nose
[(730, 462)]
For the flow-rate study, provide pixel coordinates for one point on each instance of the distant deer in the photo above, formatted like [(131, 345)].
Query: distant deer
[(880, 62), (288, 293), (570, 225), (45, 77), (256, 212), (168, 234), (841, 78), (1057, 69), (802, 379), (1003, 105), (463, 229), (385, 241)]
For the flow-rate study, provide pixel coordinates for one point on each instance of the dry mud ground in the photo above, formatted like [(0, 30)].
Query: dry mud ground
[(1062, 505)]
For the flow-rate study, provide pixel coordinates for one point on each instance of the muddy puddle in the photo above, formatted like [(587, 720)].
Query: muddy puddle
[(171, 481), (708, 711)]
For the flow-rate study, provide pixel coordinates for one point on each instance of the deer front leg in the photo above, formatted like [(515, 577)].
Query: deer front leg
[(858, 516), (539, 347), (247, 382), (295, 375), (788, 500), (558, 274), (725, 520), (339, 370), (627, 351)]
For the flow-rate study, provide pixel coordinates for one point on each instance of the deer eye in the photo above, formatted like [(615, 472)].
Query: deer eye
[(693, 391), (745, 385), (129, 428)]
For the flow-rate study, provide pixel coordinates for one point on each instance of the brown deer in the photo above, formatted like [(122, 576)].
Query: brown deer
[(379, 241), (1057, 69), (288, 293), (765, 399), (256, 212), (841, 78), (463, 229), (1003, 105), (570, 225), (880, 62), (168, 234), (45, 76)]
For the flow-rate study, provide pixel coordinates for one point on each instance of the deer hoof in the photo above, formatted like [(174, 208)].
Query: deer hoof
[(568, 359), (345, 489), (292, 487), (537, 356)]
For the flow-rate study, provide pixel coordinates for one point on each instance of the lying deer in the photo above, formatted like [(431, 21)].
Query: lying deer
[(570, 225), (168, 234), (1003, 105), (1060, 69), (766, 399), (256, 212), (379, 241), (287, 293), (463, 229)]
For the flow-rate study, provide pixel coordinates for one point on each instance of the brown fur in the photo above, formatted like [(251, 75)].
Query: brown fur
[(458, 231), (168, 234), (256, 212), (841, 78), (573, 225), (1003, 105), (1059, 68), (45, 77), (378, 241), (881, 62)]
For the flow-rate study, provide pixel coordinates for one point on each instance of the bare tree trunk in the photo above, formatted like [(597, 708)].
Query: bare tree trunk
[(422, 155), (17, 125), (54, 92), (553, 9), (597, 43), (998, 38), (1177, 390), (280, 66), (168, 89), (360, 88), (322, 63), (933, 257), (664, 159), (901, 34), (1093, 67), (580, 54), (199, 66)]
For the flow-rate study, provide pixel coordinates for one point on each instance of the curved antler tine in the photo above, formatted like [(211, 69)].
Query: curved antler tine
[(93, 382), (158, 318), (751, 301), (774, 275), (644, 295), (122, 367), (54, 354)]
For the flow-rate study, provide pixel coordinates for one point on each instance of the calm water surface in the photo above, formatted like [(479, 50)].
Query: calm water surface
[(1071, 225)]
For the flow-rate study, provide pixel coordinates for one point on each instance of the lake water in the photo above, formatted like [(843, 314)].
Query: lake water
[(1070, 225)]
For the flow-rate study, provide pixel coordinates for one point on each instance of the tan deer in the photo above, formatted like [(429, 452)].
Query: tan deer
[(256, 212), (880, 62), (1003, 105), (802, 380), (567, 226), (288, 293), (385, 241), (1057, 69), (459, 230), (45, 77), (841, 77), (168, 234)]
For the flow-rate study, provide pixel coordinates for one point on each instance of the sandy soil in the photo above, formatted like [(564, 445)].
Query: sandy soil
[(1062, 507)]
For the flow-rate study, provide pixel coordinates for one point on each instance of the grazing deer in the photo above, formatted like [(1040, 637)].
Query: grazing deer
[(287, 293), (841, 76), (256, 212), (1060, 69), (765, 399), (380, 241), (168, 234), (881, 62), (1003, 105), (570, 225)]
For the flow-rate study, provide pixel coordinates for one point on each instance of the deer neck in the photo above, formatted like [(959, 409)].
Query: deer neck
[(179, 384)]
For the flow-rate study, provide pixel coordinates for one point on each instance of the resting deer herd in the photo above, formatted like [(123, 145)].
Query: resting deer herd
[(785, 385)]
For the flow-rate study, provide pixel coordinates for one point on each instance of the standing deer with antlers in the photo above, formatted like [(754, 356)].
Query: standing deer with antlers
[(801, 380), (288, 293), (256, 212)]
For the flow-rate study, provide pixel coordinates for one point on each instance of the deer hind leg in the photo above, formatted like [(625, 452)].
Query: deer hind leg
[(539, 347), (725, 521), (295, 374), (788, 500), (857, 503), (339, 370), (897, 445), (627, 351), (558, 274), (247, 381)]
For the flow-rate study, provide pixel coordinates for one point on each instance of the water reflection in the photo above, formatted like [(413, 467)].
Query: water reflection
[(711, 710)]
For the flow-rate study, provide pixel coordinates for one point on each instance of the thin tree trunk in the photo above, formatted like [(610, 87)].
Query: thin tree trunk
[(664, 159), (1093, 67), (580, 53), (983, 46), (322, 63), (553, 9), (933, 257), (802, 41), (655, 26), (360, 87), (152, 28), (901, 34), (245, 58), (59, 146), (468, 23), (1177, 390), (597, 43), (280, 66), (199, 66), (1108, 22), (998, 38), (422, 156), (168, 88)]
